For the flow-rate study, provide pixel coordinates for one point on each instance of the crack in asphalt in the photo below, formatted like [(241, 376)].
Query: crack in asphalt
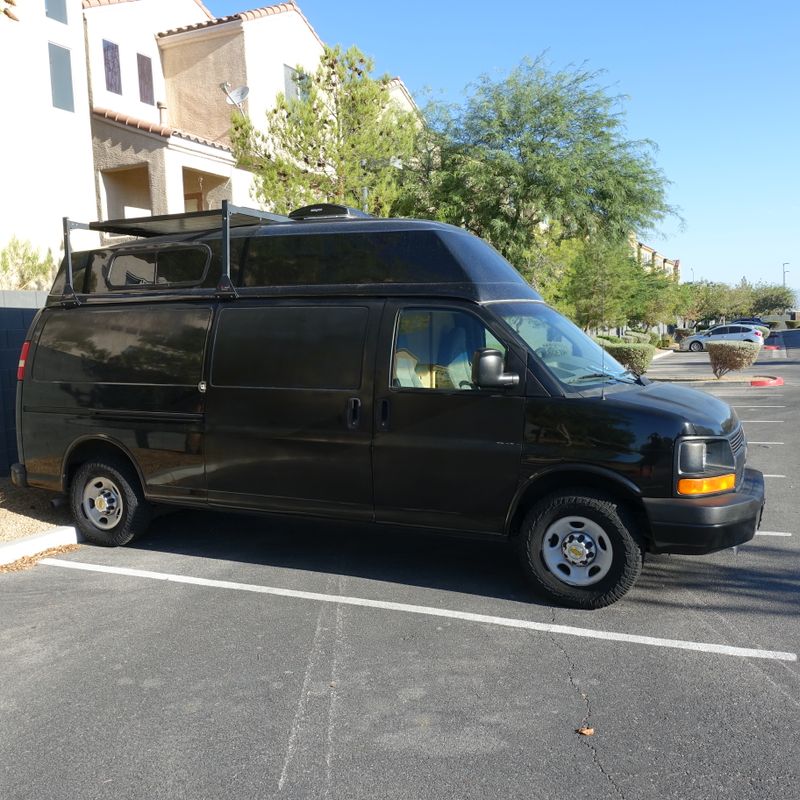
[(586, 740)]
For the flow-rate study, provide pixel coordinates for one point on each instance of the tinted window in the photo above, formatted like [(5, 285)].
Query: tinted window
[(720, 331), (156, 268), (290, 347), (61, 77), (434, 349), (157, 346), (145, 79), (112, 69), (389, 257)]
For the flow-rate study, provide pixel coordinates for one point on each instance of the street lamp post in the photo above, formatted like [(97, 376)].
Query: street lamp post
[(783, 266)]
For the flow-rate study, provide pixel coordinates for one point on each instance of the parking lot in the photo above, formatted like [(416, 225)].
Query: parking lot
[(236, 656)]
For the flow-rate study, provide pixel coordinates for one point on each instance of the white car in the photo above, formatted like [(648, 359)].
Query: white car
[(723, 333)]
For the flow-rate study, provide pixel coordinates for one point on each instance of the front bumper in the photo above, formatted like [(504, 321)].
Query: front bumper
[(704, 525)]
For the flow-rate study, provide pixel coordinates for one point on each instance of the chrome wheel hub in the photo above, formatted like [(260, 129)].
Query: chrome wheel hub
[(577, 551), (102, 503)]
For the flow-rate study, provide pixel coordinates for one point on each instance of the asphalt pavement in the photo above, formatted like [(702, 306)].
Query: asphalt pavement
[(237, 656)]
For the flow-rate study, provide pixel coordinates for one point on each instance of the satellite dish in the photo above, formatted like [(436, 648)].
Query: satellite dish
[(237, 96)]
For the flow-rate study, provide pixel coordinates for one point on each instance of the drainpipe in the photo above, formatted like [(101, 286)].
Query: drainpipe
[(163, 117)]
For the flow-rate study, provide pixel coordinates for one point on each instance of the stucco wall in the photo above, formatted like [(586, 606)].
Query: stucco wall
[(270, 43), (132, 27), (195, 64), (47, 158)]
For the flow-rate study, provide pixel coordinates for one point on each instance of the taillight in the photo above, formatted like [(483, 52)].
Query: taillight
[(23, 357), (758, 333)]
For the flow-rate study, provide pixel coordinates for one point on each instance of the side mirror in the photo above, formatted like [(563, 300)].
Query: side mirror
[(487, 370)]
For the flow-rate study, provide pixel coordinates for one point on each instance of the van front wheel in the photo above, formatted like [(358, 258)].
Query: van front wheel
[(108, 503), (580, 550)]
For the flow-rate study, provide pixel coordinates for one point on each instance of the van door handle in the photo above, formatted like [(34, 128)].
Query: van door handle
[(353, 413), (383, 421)]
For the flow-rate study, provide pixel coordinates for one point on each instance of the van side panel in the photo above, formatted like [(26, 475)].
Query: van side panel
[(128, 375), (289, 420)]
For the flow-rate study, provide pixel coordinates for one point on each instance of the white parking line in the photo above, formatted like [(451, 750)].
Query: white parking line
[(765, 443), (773, 476), (772, 533), (778, 421), (750, 408), (507, 622)]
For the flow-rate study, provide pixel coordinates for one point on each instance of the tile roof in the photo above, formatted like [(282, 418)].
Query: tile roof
[(154, 127), (98, 3), (242, 16)]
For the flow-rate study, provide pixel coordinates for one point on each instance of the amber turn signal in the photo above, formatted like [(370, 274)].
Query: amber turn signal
[(719, 483)]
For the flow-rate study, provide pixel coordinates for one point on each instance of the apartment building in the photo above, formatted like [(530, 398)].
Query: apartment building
[(124, 108)]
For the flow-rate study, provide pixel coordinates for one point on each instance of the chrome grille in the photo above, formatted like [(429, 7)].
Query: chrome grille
[(739, 447)]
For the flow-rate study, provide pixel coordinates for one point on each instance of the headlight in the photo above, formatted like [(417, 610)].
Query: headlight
[(705, 466)]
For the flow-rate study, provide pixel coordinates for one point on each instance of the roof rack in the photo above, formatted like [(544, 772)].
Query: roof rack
[(223, 219)]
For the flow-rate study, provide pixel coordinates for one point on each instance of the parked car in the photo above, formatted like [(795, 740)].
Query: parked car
[(338, 366), (750, 321), (723, 333)]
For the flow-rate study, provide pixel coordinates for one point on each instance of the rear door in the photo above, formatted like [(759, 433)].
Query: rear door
[(446, 454), (289, 409)]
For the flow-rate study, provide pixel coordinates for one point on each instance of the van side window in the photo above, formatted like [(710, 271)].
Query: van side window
[(290, 347), (161, 347), (433, 349), (178, 266)]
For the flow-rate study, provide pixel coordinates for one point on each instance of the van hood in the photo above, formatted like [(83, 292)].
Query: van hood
[(700, 413)]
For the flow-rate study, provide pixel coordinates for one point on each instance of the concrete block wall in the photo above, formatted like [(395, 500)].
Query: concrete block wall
[(17, 310)]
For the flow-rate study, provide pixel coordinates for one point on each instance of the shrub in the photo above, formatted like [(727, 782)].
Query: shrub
[(636, 357), (665, 343), (609, 337), (773, 326), (791, 324), (728, 356), (22, 267), (638, 336), (626, 339), (681, 333), (655, 338)]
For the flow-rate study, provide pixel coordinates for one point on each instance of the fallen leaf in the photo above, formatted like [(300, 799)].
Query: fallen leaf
[(585, 731)]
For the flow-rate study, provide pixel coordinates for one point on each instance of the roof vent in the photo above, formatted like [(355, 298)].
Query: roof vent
[(328, 211)]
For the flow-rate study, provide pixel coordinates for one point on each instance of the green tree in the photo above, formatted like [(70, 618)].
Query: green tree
[(771, 299), (599, 283), (23, 267), (654, 298), (340, 134), (536, 157)]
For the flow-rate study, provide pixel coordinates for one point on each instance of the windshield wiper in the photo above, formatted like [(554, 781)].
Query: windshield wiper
[(619, 377)]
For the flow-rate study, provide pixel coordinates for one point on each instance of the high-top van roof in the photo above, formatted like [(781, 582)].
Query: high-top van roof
[(285, 257)]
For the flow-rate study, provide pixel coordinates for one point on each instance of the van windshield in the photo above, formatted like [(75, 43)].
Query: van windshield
[(569, 354)]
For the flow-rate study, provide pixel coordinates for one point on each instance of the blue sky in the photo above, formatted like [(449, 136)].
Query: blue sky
[(715, 83)]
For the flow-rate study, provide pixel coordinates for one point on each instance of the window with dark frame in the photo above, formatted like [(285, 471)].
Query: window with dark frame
[(56, 9), (145, 79), (61, 77), (111, 62)]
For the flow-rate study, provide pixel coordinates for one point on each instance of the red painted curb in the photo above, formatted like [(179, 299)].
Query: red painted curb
[(767, 382), (770, 347)]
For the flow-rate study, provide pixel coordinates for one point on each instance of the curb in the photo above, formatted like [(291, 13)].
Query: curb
[(767, 381), (663, 354), (31, 545)]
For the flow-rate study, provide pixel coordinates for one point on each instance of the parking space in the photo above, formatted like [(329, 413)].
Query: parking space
[(250, 657)]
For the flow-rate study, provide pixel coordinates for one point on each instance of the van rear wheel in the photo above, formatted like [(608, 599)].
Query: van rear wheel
[(580, 550), (108, 503)]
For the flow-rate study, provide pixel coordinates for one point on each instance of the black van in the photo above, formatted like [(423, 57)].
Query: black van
[(391, 370)]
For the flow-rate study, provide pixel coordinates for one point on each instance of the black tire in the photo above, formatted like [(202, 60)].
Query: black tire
[(696, 347), (128, 513), (617, 547)]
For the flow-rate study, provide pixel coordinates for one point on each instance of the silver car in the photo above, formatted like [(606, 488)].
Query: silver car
[(723, 333)]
